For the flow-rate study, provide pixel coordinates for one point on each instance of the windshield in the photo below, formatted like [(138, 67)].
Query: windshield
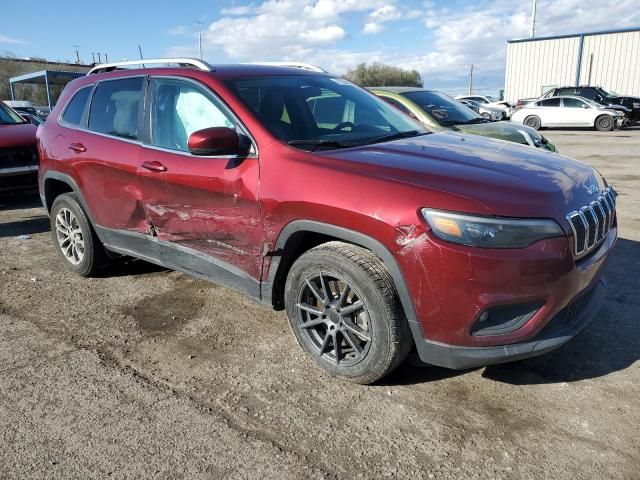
[(442, 108), (591, 102), (310, 112), (8, 116), (491, 99)]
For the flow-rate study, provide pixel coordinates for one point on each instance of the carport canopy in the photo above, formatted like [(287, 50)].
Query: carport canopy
[(46, 78)]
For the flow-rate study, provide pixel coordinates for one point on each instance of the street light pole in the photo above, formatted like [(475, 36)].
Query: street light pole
[(200, 38), (471, 80), (533, 19)]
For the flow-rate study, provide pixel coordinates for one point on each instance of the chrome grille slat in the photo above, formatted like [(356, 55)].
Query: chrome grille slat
[(591, 224)]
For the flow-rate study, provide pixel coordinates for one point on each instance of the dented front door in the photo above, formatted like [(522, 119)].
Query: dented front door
[(208, 205)]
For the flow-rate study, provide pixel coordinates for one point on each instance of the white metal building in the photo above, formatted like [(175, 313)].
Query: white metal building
[(609, 59)]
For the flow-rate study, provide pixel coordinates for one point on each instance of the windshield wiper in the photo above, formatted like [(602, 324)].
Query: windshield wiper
[(321, 143), (396, 136), (474, 120)]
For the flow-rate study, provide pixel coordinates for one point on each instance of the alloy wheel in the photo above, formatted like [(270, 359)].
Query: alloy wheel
[(334, 319), (69, 235)]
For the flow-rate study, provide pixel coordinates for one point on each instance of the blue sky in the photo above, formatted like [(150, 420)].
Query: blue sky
[(438, 38)]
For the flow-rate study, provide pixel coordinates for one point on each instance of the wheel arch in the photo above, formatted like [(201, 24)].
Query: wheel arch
[(299, 236), (57, 183)]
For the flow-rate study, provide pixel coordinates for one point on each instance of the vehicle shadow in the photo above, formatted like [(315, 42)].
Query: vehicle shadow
[(28, 226), (610, 344), (128, 266)]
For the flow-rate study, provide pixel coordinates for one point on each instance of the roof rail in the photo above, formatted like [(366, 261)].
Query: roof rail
[(301, 65), (183, 62)]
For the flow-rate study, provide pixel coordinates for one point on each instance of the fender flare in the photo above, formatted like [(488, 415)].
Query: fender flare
[(63, 177), (357, 238)]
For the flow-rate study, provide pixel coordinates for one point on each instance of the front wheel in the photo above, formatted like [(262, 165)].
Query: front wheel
[(345, 313), (604, 123), (533, 122)]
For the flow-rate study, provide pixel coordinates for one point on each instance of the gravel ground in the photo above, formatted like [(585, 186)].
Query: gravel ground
[(147, 373)]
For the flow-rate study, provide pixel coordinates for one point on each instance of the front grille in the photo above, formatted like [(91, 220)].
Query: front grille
[(591, 223), (18, 157)]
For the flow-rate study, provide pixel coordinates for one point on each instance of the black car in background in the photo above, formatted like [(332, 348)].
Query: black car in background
[(600, 95)]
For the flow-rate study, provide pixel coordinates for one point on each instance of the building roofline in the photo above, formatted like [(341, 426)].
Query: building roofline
[(575, 35)]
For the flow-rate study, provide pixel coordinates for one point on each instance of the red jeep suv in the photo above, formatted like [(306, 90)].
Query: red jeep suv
[(312, 195)]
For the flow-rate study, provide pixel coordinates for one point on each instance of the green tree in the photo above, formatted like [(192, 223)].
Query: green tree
[(380, 75)]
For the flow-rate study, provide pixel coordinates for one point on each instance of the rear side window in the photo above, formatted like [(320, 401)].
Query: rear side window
[(115, 107), (566, 91), (76, 107), (552, 102)]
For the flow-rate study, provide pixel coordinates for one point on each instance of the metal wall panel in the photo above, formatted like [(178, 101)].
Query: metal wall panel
[(610, 60)]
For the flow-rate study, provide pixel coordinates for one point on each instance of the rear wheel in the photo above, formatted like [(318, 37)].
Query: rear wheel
[(533, 122), (604, 123), (74, 238), (345, 313)]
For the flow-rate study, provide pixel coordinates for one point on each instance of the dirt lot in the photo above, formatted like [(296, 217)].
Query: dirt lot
[(146, 372)]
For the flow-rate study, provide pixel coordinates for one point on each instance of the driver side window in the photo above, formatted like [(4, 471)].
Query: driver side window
[(180, 108)]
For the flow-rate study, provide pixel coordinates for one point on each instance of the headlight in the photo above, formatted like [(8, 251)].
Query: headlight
[(489, 232)]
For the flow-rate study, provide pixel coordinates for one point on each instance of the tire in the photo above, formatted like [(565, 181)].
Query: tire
[(533, 122), (604, 123), (372, 339), (85, 254)]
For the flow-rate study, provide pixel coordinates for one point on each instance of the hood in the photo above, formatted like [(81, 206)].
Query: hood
[(508, 179), (17, 135), (502, 131)]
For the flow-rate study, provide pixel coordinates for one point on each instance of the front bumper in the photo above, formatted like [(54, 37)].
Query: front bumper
[(18, 178), (562, 328)]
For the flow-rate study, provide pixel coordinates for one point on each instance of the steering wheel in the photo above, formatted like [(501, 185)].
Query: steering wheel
[(343, 125)]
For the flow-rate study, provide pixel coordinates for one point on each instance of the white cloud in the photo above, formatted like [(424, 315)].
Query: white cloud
[(179, 30), (447, 40), (372, 28), (7, 39)]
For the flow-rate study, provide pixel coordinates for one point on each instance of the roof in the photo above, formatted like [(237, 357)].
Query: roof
[(54, 77), (400, 89), (573, 35)]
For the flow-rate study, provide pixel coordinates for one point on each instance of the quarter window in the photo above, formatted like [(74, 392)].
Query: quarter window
[(115, 107), (552, 102), (76, 107), (179, 109)]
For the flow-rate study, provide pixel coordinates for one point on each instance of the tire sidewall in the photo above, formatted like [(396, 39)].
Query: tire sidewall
[(315, 262), (536, 122), (607, 128), (69, 201)]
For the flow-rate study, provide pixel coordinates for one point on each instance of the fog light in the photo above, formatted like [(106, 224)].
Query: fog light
[(503, 319)]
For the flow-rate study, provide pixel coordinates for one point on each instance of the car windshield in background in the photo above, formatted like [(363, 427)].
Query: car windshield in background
[(8, 116), (311, 112), (490, 98), (443, 109)]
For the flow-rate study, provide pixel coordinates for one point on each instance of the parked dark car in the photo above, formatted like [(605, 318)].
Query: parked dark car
[(626, 104), (18, 154), (310, 194)]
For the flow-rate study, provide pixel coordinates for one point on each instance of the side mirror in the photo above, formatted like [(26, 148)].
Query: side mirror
[(217, 141)]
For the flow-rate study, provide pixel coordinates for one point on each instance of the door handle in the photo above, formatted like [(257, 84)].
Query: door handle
[(154, 166), (77, 147)]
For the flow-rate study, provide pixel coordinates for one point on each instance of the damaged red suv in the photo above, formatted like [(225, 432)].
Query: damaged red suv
[(312, 195)]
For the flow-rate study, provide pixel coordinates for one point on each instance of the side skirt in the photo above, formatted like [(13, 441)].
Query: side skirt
[(180, 258)]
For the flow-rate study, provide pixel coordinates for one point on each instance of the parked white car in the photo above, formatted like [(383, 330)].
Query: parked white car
[(490, 113), (568, 112), (489, 101)]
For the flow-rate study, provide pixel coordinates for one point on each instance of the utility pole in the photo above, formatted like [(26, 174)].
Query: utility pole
[(200, 38), (533, 19), (471, 80), (99, 58), (141, 57), (77, 54), (93, 57), (106, 58)]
